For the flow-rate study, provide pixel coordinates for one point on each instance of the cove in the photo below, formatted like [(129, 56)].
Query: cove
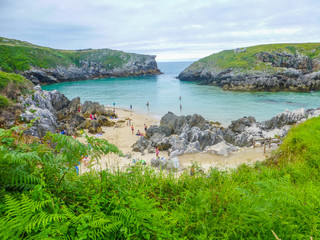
[(163, 92)]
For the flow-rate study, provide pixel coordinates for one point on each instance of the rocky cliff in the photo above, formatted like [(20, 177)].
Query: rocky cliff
[(274, 67), (46, 65)]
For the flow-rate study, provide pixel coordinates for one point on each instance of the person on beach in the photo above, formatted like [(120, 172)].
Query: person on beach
[(132, 129), (145, 127), (138, 133), (180, 107), (95, 117), (130, 107), (114, 108), (157, 152)]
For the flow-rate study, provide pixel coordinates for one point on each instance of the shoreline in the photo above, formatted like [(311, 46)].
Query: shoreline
[(121, 136)]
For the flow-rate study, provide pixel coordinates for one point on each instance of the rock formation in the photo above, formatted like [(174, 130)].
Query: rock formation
[(278, 67), (192, 134), (52, 112), (44, 65)]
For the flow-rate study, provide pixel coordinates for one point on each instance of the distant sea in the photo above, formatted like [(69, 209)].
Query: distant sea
[(163, 92)]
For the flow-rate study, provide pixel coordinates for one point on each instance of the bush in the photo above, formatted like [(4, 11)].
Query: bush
[(4, 102)]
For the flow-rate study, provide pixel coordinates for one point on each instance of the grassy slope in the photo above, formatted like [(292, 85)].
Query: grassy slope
[(17, 55), (282, 195), (13, 81), (248, 59)]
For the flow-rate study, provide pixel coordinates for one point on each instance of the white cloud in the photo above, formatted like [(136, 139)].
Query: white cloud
[(180, 29)]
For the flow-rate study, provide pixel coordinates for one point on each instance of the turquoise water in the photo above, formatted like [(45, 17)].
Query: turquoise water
[(163, 91)]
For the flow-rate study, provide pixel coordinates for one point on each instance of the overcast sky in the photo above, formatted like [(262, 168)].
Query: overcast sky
[(171, 29)]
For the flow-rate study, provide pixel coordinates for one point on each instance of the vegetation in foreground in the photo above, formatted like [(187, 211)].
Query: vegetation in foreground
[(43, 198)]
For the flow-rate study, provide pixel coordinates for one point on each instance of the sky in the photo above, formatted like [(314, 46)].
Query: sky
[(174, 30)]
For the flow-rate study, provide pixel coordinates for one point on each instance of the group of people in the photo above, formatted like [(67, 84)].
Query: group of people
[(138, 132), (93, 116)]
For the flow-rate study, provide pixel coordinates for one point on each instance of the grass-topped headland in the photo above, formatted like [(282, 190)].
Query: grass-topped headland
[(42, 196), (271, 67), (247, 58), (19, 57)]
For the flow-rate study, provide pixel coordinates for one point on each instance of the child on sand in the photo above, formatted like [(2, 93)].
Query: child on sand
[(157, 152), (132, 129)]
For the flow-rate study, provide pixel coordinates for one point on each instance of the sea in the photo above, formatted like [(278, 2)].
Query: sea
[(167, 93)]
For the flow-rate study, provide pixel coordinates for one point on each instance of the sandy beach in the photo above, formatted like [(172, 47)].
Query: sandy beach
[(121, 135)]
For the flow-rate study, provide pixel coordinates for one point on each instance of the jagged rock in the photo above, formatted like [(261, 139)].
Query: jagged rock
[(156, 139), (95, 127), (46, 122), (58, 100), (157, 129), (141, 144), (221, 148), (178, 143), (243, 140), (105, 121), (74, 105), (176, 124), (193, 148), (77, 121), (89, 107), (285, 118), (276, 132), (280, 71), (238, 126)]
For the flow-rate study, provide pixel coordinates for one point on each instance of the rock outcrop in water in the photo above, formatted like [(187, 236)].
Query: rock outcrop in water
[(275, 67), (192, 134), (44, 65)]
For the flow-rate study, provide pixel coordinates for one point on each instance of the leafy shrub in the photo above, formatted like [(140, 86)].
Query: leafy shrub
[(42, 197), (4, 102)]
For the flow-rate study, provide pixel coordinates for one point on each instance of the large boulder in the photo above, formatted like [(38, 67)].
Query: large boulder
[(95, 127), (176, 124), (46, 121), (162, 130), (221, 148), (58, 100), (103, 121), (238, 126), (77, 121), (74, 105), (285, 118), (141, 144), (89, 107)]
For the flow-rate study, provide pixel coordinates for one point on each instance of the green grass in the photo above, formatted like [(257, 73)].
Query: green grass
[(18, 56), (51, 201), (248, 61), (4, 102), (17, 80)]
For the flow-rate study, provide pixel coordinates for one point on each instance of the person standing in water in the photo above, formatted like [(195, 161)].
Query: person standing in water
[(131, 107), (180, 107), (114, 107)]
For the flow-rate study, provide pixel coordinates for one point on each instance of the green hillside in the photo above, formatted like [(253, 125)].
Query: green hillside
[(18, 55), (247, 59)]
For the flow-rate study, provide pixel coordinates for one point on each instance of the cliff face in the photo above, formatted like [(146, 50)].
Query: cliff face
[(45, 65), (276, 67)]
